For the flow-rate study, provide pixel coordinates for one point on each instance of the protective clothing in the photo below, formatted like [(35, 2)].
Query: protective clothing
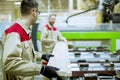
[(19, 57), (46, 57), (50, 72), (49, 37)]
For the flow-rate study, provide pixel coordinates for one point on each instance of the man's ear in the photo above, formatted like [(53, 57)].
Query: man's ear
[(33, 12)]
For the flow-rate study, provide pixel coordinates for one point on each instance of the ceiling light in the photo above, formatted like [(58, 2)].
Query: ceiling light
[(17, 3)]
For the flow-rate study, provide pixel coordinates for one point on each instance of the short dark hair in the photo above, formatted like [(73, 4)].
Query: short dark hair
[(52, 15), (27, 5)]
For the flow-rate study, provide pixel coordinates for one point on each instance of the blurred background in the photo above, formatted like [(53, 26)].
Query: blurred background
[(9, 9), (99, 17)]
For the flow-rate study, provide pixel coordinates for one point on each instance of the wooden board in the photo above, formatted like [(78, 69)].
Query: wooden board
[(61, 59)]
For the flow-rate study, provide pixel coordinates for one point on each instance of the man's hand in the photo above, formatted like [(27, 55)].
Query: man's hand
[(46, 57), (50, 72)]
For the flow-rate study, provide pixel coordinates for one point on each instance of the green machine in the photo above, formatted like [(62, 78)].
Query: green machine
[(112, 36), (104, 32)]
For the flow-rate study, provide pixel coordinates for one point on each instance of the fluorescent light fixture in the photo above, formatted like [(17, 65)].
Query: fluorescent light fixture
[(17, 3)]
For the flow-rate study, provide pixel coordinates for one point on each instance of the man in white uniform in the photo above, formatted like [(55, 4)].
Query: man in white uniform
[(50, 35), (18, 56)]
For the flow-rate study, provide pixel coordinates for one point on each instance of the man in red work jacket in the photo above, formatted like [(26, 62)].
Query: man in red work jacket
[(18, 56), (50, 35)]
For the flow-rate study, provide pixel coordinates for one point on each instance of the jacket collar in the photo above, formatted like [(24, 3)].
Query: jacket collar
[(27, 30), (50, 28)]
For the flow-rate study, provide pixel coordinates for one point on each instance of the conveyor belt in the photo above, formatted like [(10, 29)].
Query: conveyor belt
[(105, 63)]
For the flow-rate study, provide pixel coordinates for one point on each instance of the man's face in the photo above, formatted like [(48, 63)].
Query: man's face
[(36, 14), (52, 20)]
